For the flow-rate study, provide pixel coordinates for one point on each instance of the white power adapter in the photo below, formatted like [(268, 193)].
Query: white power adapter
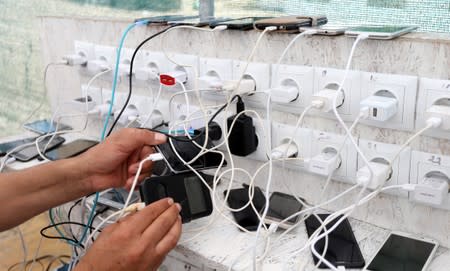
[(210, 82), (284, 94), (97, 66), (246, 87), (381, 108), (326, 97), (180, 76), (285, 151), (129, 114), (146, 74), (432, 190), (442, 112), (75, 60), (325, 163), (381, 173)]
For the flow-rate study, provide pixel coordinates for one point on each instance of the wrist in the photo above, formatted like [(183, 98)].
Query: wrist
[(77, 170)]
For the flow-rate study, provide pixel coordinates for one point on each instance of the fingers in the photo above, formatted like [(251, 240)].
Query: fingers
[(163, 224), (145, 217), (131, 139), (170, 240)]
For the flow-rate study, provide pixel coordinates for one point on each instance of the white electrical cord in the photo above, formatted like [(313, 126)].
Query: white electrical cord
[(155, 104)]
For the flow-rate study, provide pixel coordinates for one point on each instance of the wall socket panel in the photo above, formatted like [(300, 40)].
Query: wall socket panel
[(431, 91), (347, 171), (332, 78), (423, 163), (260, 72), (192, 71), (400, 168), (222, 68), (303, 77), (282, 133), (403, 87)]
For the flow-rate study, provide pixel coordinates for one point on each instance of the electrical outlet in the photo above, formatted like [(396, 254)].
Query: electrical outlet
[(145, 105), (260, 74), (213, 75), (348, 158), (94, 92), (282, 133), (290, 81), (105, 58), (326, 78), (150, 65), (262, 128), (191, 72), (84, 49), (423, 164), (432, 92), (383, 153), (401, 87), (181, 112)]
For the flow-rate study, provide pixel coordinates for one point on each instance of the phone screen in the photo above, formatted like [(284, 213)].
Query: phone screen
[(44, 127), (241, 24), (8, 146), (402, 253), (343, 250), (30, 152), (70, 149), (282, 206), (188, 151), (379, 29)]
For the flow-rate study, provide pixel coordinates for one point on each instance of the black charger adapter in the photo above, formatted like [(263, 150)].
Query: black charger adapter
[(243, 139)]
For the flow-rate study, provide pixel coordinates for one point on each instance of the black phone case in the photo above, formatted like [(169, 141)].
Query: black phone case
[(342, 244), (290, 24)]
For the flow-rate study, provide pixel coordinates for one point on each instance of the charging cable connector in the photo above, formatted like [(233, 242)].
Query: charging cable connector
[(325, 163), (75, 60), (441, 112), (326, 97), (246, 87), (285, 151), (381, 108), (382, 172)]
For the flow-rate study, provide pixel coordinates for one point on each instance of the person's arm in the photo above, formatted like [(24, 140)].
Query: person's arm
[(113, 163)]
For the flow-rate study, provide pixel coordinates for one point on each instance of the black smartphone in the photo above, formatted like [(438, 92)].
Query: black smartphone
[(238, 198), (29, 153), (44, 127), (187, 189), (290, 24), (343, 249), (70, 149), (282, 206), (164, 19), (188, 150), (8, 146), (198, 22), (245, 23)]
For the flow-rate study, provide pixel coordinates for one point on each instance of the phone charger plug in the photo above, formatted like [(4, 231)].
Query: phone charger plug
[(380, 108), (209, 82), (124, 69), (146, 74), (324, 164), (81, 105), (432, 191), (284, 95), (381, 174), (442, 112), (179, 75), (214, 131), (97, 66), (326, 98), (243, 139), (285, 151), (246, 87), (128, 115), (75, 60)]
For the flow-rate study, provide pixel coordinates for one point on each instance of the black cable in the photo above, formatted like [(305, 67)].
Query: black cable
[(99, 212), (43, 234), (130, 91), (70, 219)]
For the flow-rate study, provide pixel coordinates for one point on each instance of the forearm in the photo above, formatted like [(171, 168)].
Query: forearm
[(27, 193)]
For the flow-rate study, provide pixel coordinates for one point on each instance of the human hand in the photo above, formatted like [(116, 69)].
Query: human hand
[(114, 162), (137, 242)]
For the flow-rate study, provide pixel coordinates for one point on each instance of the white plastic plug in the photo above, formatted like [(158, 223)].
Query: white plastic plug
[(284, 94), (75, 60), (439, 112), (433, 190), (146, 74), (97, 66), (325, 163), (382, 172), (124, 69), (210, 82), (326, 98), (129, 114), (180, 76), (381, 108), (246, 87), (79, 104), (285, 151)]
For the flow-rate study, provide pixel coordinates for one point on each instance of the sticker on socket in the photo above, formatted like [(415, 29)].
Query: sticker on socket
[(383, 153), (391, 100), (185, 75), (326, 79), (325, 148), (215, 74), (292, 87), (301, 145), (433, 93), (257, 77), (432, 173)]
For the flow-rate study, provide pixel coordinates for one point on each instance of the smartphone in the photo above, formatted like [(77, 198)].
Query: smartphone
[(198, 22), (164, 19), (188, 151), (282, 206), (238, 198), (245, 23), (290, 24), (8, 146), (402, 251), (381, 32), (186, 188), (44, 127), (343, 249), (326, 30), (70, 149), (29, 153)]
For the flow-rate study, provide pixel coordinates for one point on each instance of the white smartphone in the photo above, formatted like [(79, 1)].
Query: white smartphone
[(326, 30), (381, 32), (403, 251)]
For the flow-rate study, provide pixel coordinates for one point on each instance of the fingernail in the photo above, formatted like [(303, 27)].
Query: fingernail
[(170, 201), (160, 137), (179, 207)]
